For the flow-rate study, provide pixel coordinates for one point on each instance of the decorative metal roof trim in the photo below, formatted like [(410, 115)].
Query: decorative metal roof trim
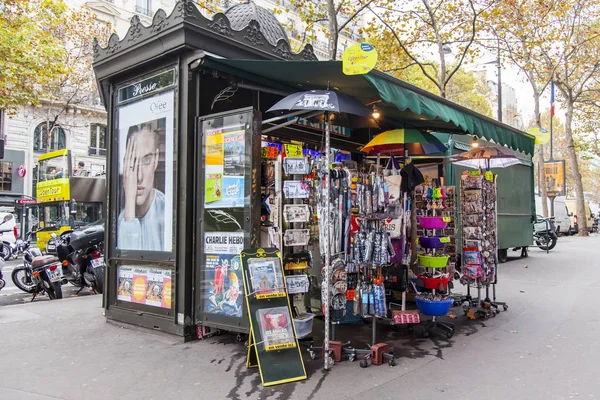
[(186, 12)]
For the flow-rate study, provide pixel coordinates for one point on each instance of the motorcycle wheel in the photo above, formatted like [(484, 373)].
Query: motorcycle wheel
[(55, 291), (546, 242), (5, 251), (99, 284), (22, 279)]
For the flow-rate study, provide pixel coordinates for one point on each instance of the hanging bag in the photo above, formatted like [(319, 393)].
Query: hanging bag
[(393, 179)]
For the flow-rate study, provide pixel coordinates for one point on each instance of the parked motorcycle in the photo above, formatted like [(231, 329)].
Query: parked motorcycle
[(81, 253), (544, 233), (22, 276)]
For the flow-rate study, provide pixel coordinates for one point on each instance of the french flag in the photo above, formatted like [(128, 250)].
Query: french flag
[(552, 99)]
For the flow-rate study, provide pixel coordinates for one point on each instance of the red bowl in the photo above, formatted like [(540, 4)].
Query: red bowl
[(434, 283)]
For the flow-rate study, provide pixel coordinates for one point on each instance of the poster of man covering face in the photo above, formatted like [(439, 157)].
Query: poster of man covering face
[(145, 220)]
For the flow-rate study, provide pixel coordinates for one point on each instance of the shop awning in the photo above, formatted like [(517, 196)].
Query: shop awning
[(401, 104)]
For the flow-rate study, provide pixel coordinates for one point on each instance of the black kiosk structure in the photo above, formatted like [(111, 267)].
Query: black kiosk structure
[(173, 234)]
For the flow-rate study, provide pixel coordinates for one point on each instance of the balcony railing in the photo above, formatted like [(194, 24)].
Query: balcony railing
[(143, 11)]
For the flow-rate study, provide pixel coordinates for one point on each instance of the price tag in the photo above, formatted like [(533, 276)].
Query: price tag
[(293, 150), (489, 176), (445, 240), (417, 241), (446, 219), (269, 152), (475, 173)]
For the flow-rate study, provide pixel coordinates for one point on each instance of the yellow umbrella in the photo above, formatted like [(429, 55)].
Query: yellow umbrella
[(396, 141), (542, 136)]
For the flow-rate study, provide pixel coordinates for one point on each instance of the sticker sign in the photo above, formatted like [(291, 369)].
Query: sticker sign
[(297, 284), (296, 189), (293, 150), (296, 165), (359, 59), (296, 237), (296, 213)]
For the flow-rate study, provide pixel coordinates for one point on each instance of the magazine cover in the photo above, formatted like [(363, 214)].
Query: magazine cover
[(266, 278), (276, 328)]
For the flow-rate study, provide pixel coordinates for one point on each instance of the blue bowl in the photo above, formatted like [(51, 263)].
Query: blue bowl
[(434, 308)]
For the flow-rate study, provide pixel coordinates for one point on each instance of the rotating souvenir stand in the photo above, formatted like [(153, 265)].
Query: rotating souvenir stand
[(479, 242), (433, 223), (355, 200)]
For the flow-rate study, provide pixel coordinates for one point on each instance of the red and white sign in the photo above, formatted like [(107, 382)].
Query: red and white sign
[(21, 171)]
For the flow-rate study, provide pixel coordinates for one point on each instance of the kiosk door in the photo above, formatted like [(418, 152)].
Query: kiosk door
[(228, 214)]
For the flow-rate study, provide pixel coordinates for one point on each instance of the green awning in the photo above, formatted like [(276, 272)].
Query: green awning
[(402, 104)]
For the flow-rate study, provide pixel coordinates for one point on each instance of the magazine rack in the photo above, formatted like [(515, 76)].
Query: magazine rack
[(272, 344)]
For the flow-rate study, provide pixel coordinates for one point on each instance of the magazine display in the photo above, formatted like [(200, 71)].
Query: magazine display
[(276, 328), (266, 278)]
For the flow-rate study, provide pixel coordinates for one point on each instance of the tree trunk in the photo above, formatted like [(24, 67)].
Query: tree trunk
[(333, 30), (572, 154), (541, 158)]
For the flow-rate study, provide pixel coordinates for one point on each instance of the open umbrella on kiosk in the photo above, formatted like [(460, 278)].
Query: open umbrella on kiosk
[(486, 158), (328, 102), (397, 141)]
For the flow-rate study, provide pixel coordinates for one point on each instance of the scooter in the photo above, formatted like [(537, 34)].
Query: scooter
[(544, 233), (81, 253)]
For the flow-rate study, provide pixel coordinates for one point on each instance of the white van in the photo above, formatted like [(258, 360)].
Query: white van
[(562, 221)]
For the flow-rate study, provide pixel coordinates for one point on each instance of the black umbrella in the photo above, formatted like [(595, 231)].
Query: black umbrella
[(322, 100), (329, 102)]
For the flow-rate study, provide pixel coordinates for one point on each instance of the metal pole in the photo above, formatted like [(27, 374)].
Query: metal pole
[(499, 85), (326, 250), (551, 146)]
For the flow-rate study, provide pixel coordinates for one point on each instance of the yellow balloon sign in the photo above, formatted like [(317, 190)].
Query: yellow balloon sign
[(359, 59), (542, 136)]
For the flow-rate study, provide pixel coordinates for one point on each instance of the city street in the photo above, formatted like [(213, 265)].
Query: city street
[(11, 294), (545, 346)]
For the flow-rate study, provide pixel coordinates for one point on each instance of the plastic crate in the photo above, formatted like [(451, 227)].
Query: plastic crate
[(304, 324)]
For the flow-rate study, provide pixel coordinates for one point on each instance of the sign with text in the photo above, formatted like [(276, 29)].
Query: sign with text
[(555, 178), (272, 344)]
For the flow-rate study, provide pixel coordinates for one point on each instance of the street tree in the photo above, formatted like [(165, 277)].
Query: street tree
[(331, 18), (29, 50), (75, 86), (576, 52), (437, 36), (524, 30), (466, 88)]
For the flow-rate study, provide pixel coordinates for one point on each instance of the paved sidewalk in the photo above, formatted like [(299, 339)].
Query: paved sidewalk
[(546, 346)]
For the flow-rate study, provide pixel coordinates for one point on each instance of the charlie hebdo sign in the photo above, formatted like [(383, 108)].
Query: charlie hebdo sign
[(145, 132)]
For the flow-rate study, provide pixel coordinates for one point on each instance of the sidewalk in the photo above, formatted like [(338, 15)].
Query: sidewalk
[(65, 350)]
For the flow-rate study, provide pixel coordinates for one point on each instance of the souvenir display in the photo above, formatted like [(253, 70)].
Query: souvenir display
[(480, 240), (478, 228)]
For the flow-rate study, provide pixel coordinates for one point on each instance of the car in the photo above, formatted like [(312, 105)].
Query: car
[(8, 234)]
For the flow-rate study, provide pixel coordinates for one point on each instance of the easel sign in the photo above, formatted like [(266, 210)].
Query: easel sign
[(272, 345)]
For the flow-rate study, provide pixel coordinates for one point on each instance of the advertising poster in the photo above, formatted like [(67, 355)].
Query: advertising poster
[(145, 285), (276, 328), (223, 273), (555, 177), (225, 150), (145, 197)]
